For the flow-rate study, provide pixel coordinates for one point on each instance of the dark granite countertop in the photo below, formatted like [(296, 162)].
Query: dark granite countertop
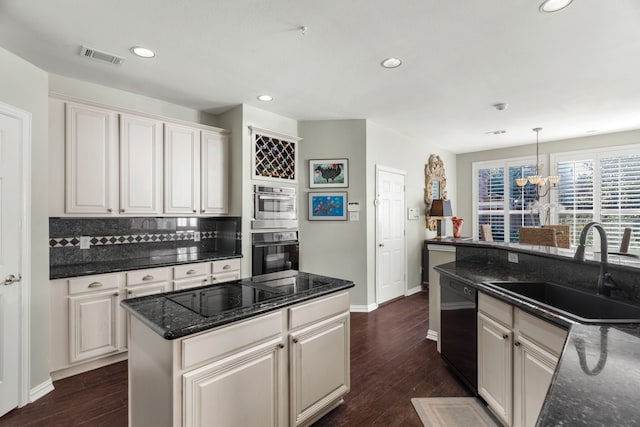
[(630, 262), (172, 320), (85, 269), (602, 387)]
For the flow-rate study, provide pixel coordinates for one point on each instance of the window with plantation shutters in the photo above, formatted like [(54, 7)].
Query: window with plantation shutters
[(620, 196), (575, 195), (602, 186), (499, 201)]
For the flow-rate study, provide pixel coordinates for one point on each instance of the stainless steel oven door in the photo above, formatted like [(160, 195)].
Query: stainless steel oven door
[(274, 251), (273, 206)]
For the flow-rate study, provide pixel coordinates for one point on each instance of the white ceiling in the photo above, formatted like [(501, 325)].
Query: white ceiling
[(570, 72)]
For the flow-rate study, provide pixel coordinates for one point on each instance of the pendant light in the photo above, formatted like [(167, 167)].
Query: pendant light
[(539, 182)]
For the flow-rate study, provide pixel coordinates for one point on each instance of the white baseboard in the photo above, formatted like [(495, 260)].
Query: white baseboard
[(413, 291), (432, 335), (40, 390), (363, 308)]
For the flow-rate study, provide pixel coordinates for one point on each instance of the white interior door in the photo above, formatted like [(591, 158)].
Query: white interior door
[(11, 141), (390, 234)]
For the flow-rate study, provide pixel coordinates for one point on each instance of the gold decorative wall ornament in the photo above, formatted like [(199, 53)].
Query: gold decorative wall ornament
[(435, 183)]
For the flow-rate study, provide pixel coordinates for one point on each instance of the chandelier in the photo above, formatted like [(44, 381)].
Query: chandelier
[(539, 182)]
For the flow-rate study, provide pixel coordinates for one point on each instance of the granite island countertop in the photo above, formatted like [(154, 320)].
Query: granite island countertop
[(600, 389), (172, 320), (85, 269)]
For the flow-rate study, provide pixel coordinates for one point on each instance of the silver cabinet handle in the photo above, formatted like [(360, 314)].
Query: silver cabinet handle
[(381, 245), (147, 277), (191, 271), (11, 278), (95, 285), (226, 267), (109, 210), (194, 211)]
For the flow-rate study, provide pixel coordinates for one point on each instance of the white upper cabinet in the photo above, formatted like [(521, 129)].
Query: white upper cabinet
[(182, 169), (91, 172), (215, 173), (140, 165)]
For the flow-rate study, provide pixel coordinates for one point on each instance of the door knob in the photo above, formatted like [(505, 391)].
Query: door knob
[(12, 279)]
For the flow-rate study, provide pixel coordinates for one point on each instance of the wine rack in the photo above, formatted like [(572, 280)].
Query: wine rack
[(274, 158)]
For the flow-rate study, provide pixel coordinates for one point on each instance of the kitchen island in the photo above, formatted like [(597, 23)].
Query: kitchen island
[(271, 350)]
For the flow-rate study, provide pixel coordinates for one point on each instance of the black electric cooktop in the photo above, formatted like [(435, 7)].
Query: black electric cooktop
[(216, 299)]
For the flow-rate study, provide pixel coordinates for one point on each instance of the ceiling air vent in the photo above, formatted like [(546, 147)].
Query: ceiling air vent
[(102, 56)]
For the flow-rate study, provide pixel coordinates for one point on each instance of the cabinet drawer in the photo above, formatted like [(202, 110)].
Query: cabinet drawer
[(544, 333), (151, 275), (190, 270), (228, 339), (225, 265), (498, 310), (191, 283), (98, 282), (311, 312), (225, 277)]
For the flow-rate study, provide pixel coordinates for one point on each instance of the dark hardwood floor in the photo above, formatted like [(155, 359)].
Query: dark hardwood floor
[(391, 362)]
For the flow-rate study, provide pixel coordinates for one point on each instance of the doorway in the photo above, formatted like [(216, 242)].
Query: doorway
[(391, 263), (15, 219)]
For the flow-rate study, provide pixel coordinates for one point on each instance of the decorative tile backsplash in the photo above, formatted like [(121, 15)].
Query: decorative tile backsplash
[(140, 237)]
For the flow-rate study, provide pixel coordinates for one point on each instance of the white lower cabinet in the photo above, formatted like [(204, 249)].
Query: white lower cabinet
[(517, 355), (284, 368), (495, 375), (93, 322), (325, 348), (254, 376)]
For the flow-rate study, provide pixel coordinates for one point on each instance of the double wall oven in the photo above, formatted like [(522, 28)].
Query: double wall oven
[(275, 236)]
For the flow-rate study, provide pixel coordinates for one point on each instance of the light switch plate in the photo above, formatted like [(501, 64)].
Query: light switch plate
[(196, 236), (354, 216), (513, 257)]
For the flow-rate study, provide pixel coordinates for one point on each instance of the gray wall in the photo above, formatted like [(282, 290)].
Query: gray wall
[(388, 148), (25, 86), (464, 161), (335, 248)]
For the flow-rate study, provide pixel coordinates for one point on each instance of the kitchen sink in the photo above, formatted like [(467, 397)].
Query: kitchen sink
[(580, 305)]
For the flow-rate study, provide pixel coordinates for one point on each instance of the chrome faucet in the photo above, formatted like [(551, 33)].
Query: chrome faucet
[(605, 282)]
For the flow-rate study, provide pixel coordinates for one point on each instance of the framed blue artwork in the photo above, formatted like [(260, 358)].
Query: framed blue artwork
[(327, 206)]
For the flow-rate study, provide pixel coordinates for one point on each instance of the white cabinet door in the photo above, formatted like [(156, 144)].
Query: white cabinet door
[(495, 366), (140, 165), (94, 325), (211, 393), (91, 169), (319, 364), (215, 173), (182, 169), (532, 373)]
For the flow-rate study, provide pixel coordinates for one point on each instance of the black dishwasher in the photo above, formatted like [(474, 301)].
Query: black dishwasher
[(458, 329)]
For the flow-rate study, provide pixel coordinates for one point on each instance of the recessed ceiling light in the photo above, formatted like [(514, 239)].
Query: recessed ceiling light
[(143, 52), (554, 5), (391, 63), (265, 98)]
